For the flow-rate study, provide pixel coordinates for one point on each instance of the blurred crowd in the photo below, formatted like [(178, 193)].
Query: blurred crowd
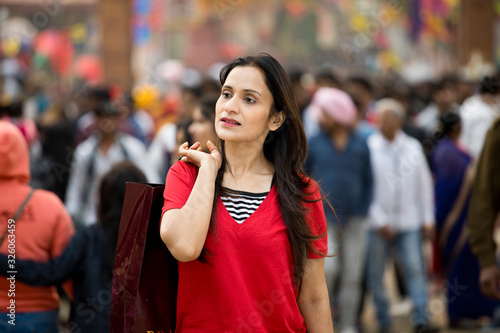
[(396, 161)]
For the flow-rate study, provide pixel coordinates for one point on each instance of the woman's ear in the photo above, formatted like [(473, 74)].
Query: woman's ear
[(276, 121)]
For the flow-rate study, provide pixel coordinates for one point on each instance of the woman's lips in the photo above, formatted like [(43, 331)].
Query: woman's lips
[(229, 122)]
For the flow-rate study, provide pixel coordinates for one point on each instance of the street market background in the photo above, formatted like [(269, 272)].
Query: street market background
[(162, 41)]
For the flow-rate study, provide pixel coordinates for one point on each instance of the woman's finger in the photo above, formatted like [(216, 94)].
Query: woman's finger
[(211, 146), (183, 147), (214, 151)]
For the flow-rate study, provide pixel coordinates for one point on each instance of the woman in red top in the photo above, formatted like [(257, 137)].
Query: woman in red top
[(245, 224)]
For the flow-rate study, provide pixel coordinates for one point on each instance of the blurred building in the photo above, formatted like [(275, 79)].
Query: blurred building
[(418, 39), (46, 37)]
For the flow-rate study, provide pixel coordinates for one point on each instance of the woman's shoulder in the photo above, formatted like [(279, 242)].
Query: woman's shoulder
[(447, 150), (184, 168), (182, 172)]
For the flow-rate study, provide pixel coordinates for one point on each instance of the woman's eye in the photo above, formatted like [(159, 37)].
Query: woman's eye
[(226, 94), (249, 100)]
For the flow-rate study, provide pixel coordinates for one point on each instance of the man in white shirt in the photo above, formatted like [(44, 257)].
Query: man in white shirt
[(478, 112), (94, 157), (401, 212)]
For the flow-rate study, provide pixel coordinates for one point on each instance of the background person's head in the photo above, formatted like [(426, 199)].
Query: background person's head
[(333, 109), (489, 85), (325, 78), (444, 94), (209, 88), (489, 89), (465, 89), (390, 117), (361, 90), (11, 108), (14, 155), (450, 125), (97, 95), (108, 118), (202, 127), (301, 94), (125, 105), (111, 194), (5, 106), (189, 101), (401, 93)]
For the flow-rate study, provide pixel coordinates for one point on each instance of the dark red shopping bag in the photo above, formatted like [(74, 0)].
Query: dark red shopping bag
[(145, 273)]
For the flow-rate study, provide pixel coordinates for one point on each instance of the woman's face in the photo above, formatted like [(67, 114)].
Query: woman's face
[(242, 110), (202, 129)]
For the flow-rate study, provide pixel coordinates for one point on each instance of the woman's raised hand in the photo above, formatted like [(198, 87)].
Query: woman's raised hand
[(196, 156)]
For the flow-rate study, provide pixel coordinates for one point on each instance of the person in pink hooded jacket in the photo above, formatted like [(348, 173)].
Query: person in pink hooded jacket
[(38, 230)]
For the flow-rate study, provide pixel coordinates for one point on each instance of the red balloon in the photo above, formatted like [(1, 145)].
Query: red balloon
[(89, 68), (46, 42), (57, 47)]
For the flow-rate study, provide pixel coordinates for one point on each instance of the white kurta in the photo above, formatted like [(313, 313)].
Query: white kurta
[(477, 117), (403, 191)]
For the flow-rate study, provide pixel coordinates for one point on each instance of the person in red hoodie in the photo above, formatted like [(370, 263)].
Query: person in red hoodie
[(34, 224)]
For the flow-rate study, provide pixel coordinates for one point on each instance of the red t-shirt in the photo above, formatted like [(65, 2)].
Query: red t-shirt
[(247, 284)]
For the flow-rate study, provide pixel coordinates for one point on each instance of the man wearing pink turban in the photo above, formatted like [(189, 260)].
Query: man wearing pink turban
[(339, 159), (335, 104)]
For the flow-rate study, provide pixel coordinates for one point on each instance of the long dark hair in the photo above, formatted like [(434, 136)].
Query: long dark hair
[(286, 149), (112, 193)]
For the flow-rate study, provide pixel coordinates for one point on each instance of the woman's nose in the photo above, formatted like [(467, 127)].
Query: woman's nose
[(231, 106)]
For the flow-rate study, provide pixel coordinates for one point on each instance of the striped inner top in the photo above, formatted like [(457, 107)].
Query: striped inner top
[(241, 205)]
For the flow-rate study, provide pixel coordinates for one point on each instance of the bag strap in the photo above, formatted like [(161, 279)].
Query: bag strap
[(17, 214), (121, 144)]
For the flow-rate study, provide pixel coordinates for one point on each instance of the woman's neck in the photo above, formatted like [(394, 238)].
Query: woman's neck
[(454, 136), (243, 159)]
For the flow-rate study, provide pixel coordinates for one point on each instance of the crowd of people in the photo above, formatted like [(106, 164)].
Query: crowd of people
[(396, 161)]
